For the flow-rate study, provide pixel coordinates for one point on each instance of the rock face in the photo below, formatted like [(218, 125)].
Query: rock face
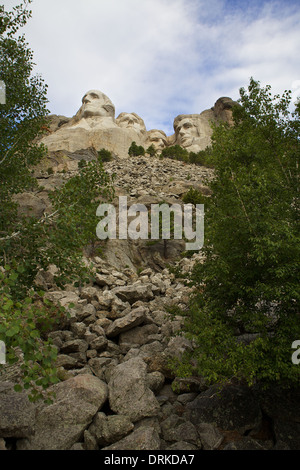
[(94, 125), (193, 131)]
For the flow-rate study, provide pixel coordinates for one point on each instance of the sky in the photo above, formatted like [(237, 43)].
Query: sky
[(162, 58)]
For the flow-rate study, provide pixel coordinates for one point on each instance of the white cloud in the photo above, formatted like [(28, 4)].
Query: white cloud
[(161, 58)]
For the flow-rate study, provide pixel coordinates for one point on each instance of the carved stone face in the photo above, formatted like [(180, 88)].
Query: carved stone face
[(95, 103), (131, 121), (158, 139), (186, 131)]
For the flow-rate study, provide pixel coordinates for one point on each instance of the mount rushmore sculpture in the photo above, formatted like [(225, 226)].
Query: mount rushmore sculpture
[(95, 125)]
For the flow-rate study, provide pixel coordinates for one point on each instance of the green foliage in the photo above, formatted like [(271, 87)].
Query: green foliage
[(23, 115), (175, 152), (28, 244), (136, 150), (76, 203), (151, 151), (105, 155), (248, 283), (194, 196), (23, 324), (201, 158)]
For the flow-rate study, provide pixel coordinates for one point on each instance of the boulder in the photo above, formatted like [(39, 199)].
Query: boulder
[(132, 319), (174, 428), (136, 337), (129, 393), (134, 293), (16, 413), (60, 425), (231, 408), (109, 429), (143, 438)]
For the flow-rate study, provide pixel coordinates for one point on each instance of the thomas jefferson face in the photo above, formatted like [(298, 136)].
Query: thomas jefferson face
[(130, 121), (95, 103)]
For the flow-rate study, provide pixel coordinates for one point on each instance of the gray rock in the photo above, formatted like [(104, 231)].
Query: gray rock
[(143, 438), (79, 329), (60, 425), (16, 413), (175, 428), (182, 445), (210, 436), (189, 385), (74, 346), (155, 381), (136, 337), (2, 444), (134, 293), (129, 393), (99, 343), (232, 408), (109, 429), (77, 446), (66, 361), (185, 398), (132, 319), (246, 443), (90, 442), (283, 407)]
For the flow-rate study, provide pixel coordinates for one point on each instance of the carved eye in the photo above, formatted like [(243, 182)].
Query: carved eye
[(108, 108)]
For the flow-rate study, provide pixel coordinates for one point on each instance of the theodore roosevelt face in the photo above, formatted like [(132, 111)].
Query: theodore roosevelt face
[(158, 139)]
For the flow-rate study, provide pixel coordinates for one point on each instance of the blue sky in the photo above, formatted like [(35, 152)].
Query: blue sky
[(161, 58)]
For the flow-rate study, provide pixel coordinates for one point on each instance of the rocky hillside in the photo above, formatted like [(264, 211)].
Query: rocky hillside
[(117, 391)]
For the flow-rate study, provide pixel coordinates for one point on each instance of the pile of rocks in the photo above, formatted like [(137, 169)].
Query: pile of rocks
[(118, 391)]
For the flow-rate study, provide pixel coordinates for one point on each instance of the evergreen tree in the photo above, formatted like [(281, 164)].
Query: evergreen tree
[(136, 150)]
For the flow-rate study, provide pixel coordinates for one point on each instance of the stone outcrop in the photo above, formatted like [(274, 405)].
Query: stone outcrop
[(193, 131), (95, 125)]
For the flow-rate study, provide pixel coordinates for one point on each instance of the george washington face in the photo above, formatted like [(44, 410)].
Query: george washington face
[(95, 103)]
